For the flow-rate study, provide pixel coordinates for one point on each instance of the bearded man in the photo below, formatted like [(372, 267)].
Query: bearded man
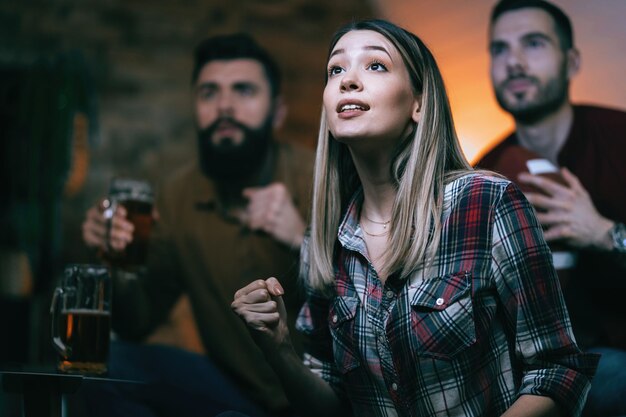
[(533, 59), (232, 217)]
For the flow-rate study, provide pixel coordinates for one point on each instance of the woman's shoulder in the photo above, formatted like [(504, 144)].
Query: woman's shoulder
[(478, 192), (476, 182), (483, 189)]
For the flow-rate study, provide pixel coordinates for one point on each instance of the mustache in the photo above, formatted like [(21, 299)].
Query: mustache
[(518, 77), (222, 120)]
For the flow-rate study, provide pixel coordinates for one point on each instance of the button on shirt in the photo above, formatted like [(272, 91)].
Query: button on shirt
[(465, 336)]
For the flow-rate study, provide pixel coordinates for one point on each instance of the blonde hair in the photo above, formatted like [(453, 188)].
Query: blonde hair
[(421, 166)]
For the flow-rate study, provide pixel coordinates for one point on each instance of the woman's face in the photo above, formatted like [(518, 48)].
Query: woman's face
[(368, 94)]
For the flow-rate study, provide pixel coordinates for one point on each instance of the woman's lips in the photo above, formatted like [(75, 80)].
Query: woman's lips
[(351, 108)]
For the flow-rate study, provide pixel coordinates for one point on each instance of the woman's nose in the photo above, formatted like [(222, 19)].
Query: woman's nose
[(351, 82)]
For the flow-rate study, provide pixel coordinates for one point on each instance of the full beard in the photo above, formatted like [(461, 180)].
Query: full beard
[(229, 162), (550, 97)]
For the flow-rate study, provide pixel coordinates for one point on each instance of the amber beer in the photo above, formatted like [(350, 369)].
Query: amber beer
[(85, 333), (137, 198), (81, 319)]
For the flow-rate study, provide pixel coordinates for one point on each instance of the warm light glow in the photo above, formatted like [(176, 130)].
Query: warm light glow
[(456, 32)]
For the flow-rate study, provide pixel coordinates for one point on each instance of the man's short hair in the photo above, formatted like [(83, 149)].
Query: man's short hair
[(562, 23), (236, 46)]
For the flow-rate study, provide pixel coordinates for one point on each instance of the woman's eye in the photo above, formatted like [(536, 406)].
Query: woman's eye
[(334, 70), (377, 66)]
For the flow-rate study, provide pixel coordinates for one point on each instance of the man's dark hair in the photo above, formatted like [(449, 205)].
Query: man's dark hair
[(562, 23), (236, 46)]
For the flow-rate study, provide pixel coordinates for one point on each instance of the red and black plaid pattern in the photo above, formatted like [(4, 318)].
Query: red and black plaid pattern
[(464, 336)]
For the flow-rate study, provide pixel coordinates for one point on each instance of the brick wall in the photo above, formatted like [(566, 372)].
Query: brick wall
[(138, 54)]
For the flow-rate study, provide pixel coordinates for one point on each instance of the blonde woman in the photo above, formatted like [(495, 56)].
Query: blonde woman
[(430, 289)]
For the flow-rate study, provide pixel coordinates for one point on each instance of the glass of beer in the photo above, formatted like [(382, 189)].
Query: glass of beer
[(137, 197), (81, 319)]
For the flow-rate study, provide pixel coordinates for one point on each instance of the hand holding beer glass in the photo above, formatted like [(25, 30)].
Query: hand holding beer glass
[(515, 160), (564, 258), (131, 202), (81, 319)]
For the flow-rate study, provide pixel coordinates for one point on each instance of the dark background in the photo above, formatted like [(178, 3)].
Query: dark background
[(92, 89)]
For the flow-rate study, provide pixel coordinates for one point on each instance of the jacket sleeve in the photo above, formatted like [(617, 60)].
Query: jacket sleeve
[(534, 309)]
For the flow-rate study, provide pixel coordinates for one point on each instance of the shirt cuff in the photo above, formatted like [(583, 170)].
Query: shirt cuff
[(568, 386)]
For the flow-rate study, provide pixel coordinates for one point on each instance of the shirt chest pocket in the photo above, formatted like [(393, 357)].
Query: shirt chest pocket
[(442, 317), (341, 319)]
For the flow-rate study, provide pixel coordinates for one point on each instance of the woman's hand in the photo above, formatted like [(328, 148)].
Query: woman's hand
[(260, 305)]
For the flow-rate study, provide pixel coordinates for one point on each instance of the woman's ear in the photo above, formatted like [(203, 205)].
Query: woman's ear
[(416, 113)]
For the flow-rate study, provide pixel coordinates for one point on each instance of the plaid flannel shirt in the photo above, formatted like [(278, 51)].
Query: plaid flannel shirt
[(484, 323)]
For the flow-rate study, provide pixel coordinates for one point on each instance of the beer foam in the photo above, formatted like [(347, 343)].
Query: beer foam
[(564, 260), (123, 189), (540, 166)]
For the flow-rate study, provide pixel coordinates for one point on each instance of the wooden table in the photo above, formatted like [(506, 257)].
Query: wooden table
[(42, 391)]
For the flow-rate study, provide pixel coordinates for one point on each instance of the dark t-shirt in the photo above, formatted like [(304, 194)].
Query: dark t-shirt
[(595, 151)]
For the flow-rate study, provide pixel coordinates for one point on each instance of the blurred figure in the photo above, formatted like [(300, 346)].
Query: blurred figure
[(237, 214), (533, 59)]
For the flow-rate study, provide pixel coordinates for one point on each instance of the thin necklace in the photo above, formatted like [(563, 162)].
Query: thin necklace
[(384, 224), (375, 234)]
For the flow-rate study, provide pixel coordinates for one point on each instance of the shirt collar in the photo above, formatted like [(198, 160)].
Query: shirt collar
[(349, 233)]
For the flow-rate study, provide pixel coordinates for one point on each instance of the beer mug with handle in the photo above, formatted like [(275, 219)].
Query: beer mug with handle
[(81, 319)]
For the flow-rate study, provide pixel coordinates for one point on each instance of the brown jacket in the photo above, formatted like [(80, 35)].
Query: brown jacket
[(198, 250)]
